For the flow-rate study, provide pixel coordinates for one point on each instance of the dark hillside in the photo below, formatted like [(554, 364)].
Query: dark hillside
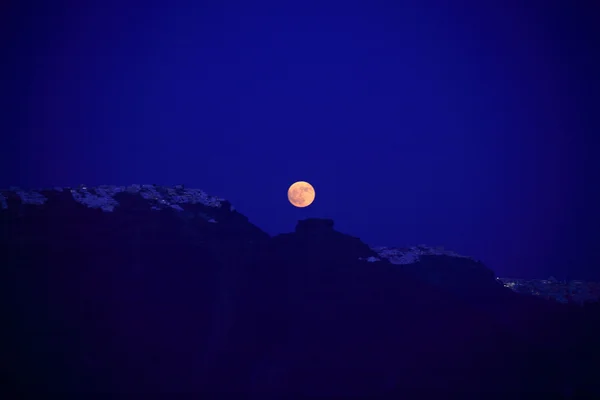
[(145, 289)]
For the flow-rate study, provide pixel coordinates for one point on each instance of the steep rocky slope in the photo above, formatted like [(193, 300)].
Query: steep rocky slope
[(148, 288)]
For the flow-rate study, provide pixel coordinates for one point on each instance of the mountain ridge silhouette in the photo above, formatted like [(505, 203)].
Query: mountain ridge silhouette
[(167, 289)]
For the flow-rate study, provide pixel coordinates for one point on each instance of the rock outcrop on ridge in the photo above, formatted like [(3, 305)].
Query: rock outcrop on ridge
[(146, 289)]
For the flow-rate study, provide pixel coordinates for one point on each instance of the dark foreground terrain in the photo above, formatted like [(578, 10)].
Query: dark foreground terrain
[(148, 289)]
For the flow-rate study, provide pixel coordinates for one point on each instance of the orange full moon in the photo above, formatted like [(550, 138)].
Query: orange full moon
[(301, 194)]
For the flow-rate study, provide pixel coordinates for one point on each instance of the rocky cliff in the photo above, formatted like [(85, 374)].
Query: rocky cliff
[(146, 288)]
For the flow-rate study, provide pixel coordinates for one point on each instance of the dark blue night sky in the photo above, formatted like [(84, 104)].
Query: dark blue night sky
[(463, 125)]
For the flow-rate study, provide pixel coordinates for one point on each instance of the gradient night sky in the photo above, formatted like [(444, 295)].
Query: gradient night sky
[(468, 126)]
